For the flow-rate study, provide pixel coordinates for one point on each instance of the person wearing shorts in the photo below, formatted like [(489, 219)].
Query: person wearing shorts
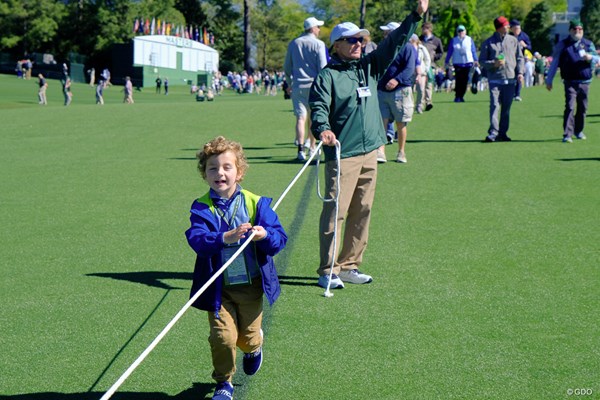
[(395, 94), (305, 57)]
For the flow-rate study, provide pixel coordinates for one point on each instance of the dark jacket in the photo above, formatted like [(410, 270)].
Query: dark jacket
[(206, 238), (401, 69), (336, 106), (572, 66), (435, 47)]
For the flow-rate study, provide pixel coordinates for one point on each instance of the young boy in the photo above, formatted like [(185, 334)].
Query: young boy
[(221, 220)]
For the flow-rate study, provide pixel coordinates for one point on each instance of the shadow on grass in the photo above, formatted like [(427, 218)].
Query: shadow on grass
[(155, 278), (148, 278), (482, 141), (579, 159), (198, 391), (298, 280)]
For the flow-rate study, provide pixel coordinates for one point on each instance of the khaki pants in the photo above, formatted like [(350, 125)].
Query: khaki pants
[(239, 325), (358, 179)]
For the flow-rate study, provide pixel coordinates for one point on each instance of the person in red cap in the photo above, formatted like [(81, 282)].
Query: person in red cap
[(502, 58)]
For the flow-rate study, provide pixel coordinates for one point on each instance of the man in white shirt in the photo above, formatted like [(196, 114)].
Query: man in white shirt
[(306, 56)]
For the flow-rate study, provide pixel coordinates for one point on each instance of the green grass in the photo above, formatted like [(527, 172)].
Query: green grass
[(485, 257)]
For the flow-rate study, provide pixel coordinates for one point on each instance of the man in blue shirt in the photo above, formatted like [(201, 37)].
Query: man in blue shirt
[(575, 56), (394, 90)]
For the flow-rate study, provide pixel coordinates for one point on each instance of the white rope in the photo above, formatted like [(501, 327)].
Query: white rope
[(335, 198), (195, 297)]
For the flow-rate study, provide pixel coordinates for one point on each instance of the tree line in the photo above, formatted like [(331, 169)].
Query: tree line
[(255, 33)]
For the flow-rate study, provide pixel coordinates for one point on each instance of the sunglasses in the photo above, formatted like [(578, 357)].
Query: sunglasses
[(351, 40)]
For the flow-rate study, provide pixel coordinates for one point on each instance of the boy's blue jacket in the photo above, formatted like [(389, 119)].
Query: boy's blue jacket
[(207, 241)]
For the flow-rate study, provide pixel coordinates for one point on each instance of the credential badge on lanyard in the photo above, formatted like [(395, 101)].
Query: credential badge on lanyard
[(364, 91), (237, 273)]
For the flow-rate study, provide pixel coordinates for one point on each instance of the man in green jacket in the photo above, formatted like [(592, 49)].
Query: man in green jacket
[(344, 105)]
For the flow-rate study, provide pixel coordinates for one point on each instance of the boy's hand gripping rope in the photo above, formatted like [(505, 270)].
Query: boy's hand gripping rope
[(195, 297)]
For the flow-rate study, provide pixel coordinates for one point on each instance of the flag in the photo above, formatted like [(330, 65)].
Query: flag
[(158, 31), (204, 36), (196, 34), (141, 27), (147, 27), (152, 26), (169, 29), (136, 26)]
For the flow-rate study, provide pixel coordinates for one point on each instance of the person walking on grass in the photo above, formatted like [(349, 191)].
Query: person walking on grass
[(305, 57), (436, 51), (43, 85), (221, 220), (462, 53), (395, 94), (158, 82), (66, 84), (576, 57), (525, 42), (345, 108), (502, 58), (128, 91)]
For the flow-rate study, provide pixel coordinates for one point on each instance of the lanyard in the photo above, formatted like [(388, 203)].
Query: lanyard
[(238, 201)]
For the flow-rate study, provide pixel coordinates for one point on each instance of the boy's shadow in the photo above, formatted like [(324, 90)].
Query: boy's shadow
[(199, 391)]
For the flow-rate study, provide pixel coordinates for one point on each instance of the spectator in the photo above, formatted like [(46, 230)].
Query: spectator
[(92, 74), (43, 85), (576, 57), (502, 58), (394, 91), (540, 68), (305, 57), (462, 53), (424, 74), (525, 42), (436, 51), (345, 109), (158, 84), (390, 132), (100, 90), (166, 83), (128, 91), (66, 84)]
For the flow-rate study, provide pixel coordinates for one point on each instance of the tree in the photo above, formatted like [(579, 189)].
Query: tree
[(30, 25), (223, 19), (451, 13), (539, 23), (590, 17), (276, 24), (247, 33)]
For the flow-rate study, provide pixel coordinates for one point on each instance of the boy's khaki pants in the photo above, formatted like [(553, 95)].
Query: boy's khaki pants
[(358, 178), (239, 325)]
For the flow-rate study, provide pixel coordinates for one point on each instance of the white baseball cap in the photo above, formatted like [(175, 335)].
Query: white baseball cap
[(312, 21), (346, 29), (390, 26)]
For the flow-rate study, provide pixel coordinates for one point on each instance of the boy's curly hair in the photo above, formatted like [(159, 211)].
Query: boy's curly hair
[(218, 146)]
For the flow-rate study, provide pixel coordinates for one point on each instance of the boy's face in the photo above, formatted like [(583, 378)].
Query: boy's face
[(222, 173)]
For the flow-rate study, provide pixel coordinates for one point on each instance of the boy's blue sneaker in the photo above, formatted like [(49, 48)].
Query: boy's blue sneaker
[(252, 362), (223, 391)]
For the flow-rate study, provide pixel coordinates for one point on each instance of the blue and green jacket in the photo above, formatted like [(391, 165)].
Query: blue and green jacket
[(205, 237)]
